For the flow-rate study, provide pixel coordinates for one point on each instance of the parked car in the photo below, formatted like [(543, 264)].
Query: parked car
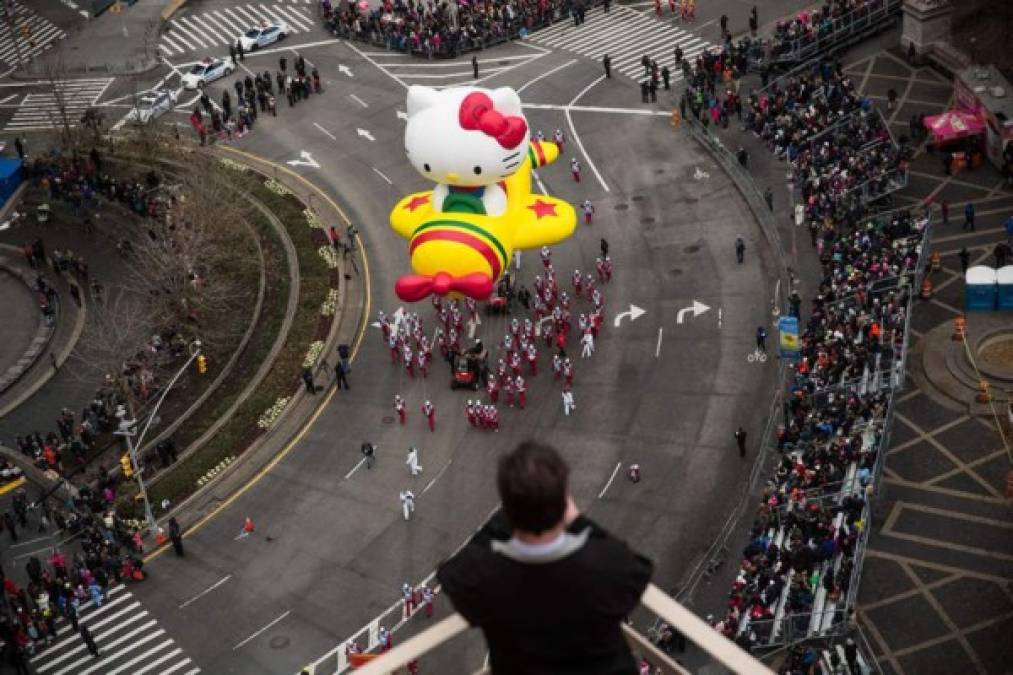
[(153, 105), (263, 34), (207, 70)]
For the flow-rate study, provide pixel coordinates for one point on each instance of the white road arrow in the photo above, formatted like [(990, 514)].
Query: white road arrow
[(401, 115), (365, 134), (306, 159), (345, 70), (697, 308), (634, 314)]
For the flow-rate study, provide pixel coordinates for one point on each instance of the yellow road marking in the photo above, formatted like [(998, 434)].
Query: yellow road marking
[(13, 485), (313, 418)]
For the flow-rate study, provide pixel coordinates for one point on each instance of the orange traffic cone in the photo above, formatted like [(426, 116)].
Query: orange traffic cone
[(248, 525), (160, 538)]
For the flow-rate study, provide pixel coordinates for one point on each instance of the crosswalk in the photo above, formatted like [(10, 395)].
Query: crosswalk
[(625, 35), (217, 29), (129, 640), (46, 110), (32, 34)]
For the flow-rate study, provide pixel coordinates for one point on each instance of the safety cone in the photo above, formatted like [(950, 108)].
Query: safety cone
[(160, 537), (248, 525)]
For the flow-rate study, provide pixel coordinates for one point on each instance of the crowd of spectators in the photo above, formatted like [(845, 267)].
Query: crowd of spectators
[(807, 534), (103, 551), (800, 559), (80, 182), (446, 28), (811, 25)]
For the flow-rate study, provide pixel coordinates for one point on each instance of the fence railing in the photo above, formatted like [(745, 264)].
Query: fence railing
[(721, 650), (837, 32)]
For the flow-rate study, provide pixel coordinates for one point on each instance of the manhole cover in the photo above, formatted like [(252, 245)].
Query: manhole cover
[(388, 419), (659, 171), (279, 642), (638, 198), (622, 207), (647, 221), (675, 271), (693, 248)]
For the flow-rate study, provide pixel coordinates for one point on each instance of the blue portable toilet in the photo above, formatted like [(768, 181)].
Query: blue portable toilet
[(10, 177), (1004, 279), (981, 289)]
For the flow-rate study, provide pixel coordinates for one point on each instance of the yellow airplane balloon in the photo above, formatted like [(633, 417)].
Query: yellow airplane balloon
[(474, 143)]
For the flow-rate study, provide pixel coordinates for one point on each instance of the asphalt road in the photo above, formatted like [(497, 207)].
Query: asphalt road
[(330, 549)]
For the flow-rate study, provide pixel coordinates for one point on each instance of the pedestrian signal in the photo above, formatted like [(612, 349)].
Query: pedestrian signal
[(127, 466), (202, 364)]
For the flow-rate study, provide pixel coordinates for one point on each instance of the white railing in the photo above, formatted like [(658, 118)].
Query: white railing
[(696, 630)]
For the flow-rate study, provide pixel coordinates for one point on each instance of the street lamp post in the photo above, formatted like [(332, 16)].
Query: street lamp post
[(127, 430)]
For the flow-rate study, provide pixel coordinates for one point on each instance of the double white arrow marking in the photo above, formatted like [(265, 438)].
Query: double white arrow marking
[(345, 70), (697, 308), (634, 313), (365, 134)]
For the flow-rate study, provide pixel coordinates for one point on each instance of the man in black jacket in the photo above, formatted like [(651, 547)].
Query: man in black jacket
[(547, 586)]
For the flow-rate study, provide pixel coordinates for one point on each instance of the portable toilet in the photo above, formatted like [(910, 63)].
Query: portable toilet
[(1004, 278), (981, 289)]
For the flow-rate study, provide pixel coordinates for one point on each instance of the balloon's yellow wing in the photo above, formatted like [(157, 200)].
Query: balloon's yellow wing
[(411, 212), (540, 220)]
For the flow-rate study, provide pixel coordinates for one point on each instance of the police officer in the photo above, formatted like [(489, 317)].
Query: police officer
[(666, 77), (653, 90), (607, 62), (645, 90)]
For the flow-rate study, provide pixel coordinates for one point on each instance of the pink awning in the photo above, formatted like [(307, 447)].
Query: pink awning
[(954, 124)]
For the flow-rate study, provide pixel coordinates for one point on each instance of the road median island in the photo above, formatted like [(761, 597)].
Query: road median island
[(274, 405)]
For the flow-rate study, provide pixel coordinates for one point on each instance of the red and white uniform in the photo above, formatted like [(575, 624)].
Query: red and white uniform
[(588, 211), (492, 388), (568, 372), (532, 354), (423, 364), (522, 391), (430, 412), (492, 413), (557, 366), (591, 286), (515, 363), (578, 282), (392, 343), (409, 361), (607, 266), (469, 410), (546, 256), (559, 139), (399, 408), (575, 169)]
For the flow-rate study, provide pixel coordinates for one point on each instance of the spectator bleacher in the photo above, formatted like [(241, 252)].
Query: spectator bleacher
[(799, 571)]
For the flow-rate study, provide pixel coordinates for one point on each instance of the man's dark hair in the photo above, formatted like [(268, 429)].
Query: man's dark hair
[(532, 486)]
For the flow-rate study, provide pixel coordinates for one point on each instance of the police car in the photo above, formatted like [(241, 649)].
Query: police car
[(263, 34), (153, 105), (208, 70)]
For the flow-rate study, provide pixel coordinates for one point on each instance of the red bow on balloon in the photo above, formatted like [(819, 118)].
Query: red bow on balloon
[(412, 288), (478, 114)]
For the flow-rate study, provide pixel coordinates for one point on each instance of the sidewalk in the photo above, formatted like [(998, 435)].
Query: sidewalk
[(110, 44)]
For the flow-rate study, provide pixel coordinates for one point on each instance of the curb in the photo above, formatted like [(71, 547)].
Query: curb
[(171, 8), (60, 358), (265, 452)]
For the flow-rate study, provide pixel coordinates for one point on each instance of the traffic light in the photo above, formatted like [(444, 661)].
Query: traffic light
[(127, 466), (202, 364)]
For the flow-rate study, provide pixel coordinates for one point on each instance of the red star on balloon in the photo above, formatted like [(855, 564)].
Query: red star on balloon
[(543, 208), (416, 202)]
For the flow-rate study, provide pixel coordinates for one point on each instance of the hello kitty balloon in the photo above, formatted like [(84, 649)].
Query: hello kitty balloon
[(475, 145)]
